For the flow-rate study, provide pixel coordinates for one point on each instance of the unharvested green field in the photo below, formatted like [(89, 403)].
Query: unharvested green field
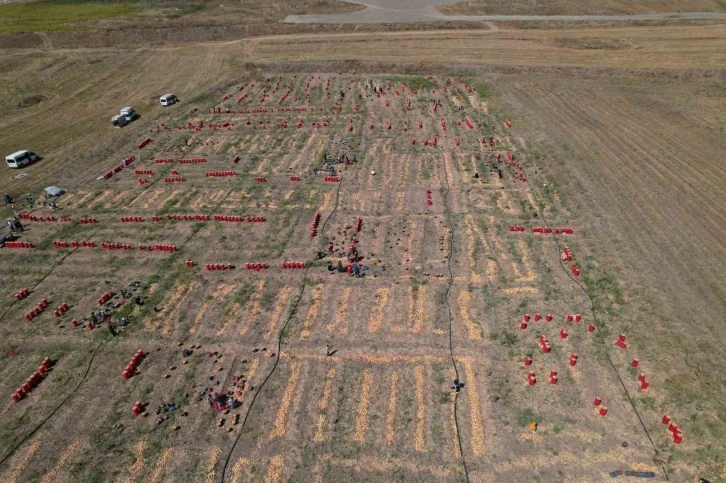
[(51, 16)]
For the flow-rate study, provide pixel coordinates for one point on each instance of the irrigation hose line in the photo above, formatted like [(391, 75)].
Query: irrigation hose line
[(60, 262), (88, 368), (599, 334), (73, 250), (279, 343), (70, 395), (448, 308)]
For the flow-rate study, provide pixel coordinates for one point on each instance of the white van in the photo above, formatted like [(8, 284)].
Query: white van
[(21, 158), (168, 99)]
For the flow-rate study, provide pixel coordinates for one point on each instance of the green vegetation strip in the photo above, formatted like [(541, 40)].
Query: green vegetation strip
[(47, 16)]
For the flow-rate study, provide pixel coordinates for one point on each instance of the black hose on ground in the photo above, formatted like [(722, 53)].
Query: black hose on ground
[(448, 308), (52, 413), (85, 374), (600, 336), (42, 279), (280, 337)]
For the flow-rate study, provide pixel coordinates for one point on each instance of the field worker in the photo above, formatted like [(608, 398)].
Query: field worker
[(457, 385)]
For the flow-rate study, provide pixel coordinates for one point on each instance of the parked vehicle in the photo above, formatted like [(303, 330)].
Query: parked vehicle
[(168, 99), (129, 113), (118, 120), (21, 158), (126, 115)]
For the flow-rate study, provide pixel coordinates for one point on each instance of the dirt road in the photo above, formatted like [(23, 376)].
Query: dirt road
[(409, 11)]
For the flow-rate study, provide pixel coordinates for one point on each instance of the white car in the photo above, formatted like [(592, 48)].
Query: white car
[(126, 115), (21, 158), (168, 100), (129, 114)]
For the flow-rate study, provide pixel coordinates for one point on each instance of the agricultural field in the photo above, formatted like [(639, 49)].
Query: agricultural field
[(538, 214), (70, 23), (572, 7), (446, 289)]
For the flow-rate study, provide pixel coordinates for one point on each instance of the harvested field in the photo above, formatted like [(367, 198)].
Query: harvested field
[(573, 7), (426, 11), (595, 134), (676, 52)]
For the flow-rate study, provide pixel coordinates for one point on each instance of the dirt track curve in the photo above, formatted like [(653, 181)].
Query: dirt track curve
[(410, 11)]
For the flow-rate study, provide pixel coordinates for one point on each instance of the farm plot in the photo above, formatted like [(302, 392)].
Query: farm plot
[(308, 263)]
